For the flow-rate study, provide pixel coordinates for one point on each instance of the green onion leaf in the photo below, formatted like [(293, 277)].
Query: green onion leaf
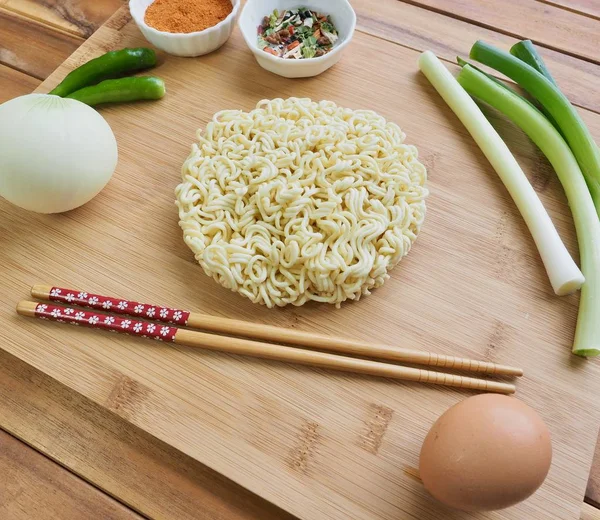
[(308, 52), (527, 52), (326, 26), (303, 32), (273, 19), (463, 63), (311, 40), (556, 103)]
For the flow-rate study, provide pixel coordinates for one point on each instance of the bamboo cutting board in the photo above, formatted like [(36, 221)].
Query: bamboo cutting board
[(318, 444)]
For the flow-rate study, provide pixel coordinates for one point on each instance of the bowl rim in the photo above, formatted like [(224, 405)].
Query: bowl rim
[(298, 63), (227, 20)]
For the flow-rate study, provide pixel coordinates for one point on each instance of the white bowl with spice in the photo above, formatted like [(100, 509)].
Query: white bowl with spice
[(296, 61), (169, 24)]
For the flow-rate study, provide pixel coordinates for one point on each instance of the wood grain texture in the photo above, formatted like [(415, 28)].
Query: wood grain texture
[(118, 458), (592, 492), (14, 83), (31, 47), (448, 37), (548, 25), (585, 7), (589, 512), (294, 435), (33, 486), (297, 436), (78, 17), (115, 456)]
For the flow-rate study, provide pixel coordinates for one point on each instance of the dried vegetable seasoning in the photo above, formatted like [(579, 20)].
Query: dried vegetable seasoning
[(297, 33)]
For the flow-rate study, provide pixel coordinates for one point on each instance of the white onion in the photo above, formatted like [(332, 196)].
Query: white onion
[(55, 154)]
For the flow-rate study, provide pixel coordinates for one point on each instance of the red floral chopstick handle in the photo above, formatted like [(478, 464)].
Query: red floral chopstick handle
[(99, 320), (119, 306)]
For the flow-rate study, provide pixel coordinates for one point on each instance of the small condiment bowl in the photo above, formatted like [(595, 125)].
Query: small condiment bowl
[(342, 16), (184, 44)]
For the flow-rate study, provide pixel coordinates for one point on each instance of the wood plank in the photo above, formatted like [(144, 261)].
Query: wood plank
[(589, 512), (31, 47), (582, 517), (33, 486), (114, 455), (102, 448), (417, 28), (592, 492), (586, 7), (552, 27), (14, 83), (252, 420), (125, 462), (448, 37), (78, 17)]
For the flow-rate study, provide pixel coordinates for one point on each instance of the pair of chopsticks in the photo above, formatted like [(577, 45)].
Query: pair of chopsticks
[(166, 325)]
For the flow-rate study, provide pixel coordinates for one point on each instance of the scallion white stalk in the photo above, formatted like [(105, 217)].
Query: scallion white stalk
[(563, 273)]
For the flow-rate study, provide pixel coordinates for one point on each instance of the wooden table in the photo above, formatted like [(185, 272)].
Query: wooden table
[(63, 456)]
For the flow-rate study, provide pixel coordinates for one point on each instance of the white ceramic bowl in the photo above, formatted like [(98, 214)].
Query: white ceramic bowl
[(184, 44), (342, 16)]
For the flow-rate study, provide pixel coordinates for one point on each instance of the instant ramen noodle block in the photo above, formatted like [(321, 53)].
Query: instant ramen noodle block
[(299, 200)]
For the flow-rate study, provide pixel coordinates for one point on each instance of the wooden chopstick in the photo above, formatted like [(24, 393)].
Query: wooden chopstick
[(99, 320), (267, 332)]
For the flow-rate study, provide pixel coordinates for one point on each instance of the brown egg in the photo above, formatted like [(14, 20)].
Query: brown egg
[(487, 452)]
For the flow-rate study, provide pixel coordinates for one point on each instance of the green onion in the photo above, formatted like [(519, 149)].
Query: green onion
[(527, 52), (562, 271), (554, 147), (308, 52), (462, 63), (555, 102), (273, 19), (326, 26)]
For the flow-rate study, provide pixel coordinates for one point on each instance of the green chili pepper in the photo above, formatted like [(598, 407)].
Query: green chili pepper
[(121, 90), (109, 65)]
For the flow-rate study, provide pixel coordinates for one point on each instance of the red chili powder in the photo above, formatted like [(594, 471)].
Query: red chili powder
[(185, 16)]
